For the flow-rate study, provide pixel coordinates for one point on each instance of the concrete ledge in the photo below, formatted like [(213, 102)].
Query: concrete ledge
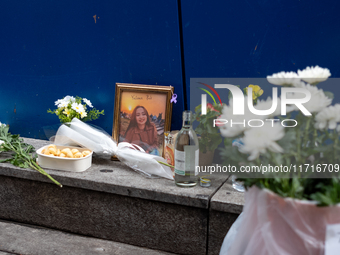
[(25, 239), (121, 181), (120, 205), (227, 199), (135, 221), (225, 207)]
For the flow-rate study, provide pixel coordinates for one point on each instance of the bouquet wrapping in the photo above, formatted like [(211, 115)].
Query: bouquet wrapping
[(271, 224), (78, 133)]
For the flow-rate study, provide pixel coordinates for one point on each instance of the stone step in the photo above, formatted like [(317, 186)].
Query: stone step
[(109, 201), (16, 238)]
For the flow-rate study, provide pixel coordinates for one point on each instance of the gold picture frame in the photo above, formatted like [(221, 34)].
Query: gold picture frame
[(137, 106)]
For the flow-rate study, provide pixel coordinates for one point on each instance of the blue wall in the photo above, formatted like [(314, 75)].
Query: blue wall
[(258, 38), (50, 49)]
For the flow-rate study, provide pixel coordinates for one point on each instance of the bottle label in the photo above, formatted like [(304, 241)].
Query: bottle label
[(187, 160), (179, 162)]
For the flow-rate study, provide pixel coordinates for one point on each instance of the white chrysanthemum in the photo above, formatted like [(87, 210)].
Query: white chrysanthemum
[(283, 78), (314, 75), (328, 117), (299, 84), (78, 107), (236, 123), (318, 101), (88, 102), (267, 104), (258, 140)]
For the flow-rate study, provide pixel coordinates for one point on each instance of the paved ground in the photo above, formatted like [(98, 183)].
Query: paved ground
[(31, 240)]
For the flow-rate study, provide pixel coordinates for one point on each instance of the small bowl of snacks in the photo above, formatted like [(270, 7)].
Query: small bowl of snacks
[(67, 158)]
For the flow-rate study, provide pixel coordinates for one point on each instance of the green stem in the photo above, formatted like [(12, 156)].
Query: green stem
[(165, 164), (35, 166), (335, 145), (273, 158), (315, 135), (306, 132), (298, 145)]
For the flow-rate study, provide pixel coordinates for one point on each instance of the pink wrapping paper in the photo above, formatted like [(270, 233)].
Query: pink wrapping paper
[(275, 225)]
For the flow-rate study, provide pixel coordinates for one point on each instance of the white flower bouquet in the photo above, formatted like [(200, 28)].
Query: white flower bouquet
[(305, 150), (295, 208), (71, 107)]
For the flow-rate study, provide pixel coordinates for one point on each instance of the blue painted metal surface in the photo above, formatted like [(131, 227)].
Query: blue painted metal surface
[(50, 49), (259, 38)]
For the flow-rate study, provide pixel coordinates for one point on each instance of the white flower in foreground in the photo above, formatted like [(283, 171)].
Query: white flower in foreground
[(328, 117), (78, 107), (314, 75), (236, 123), (318, 101), (88, 102), (267, 104), (283, 78), (258, 140)]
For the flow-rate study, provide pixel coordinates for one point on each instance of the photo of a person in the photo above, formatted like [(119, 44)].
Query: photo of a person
[(141, 119), (141, 131)]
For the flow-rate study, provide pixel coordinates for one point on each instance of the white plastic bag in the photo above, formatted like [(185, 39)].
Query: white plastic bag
[(78, 133), (274, 225), (230, 237)]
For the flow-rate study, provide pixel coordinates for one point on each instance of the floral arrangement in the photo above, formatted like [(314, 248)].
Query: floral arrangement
[(22, 154), (210, 137), (75, 107), (310, 146), (256, 92)]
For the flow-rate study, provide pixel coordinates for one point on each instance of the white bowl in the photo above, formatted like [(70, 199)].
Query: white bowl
[(65, 164)]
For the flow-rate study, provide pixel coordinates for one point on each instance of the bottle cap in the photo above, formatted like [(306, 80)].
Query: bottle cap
[(205, 182)]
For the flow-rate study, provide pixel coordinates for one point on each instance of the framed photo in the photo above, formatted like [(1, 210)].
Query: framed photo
[(141, 115)]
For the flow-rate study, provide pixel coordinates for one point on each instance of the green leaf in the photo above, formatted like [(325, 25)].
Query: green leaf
[(215, 141), (288, 141), (21, 152), (329, 94), (198, 108)]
